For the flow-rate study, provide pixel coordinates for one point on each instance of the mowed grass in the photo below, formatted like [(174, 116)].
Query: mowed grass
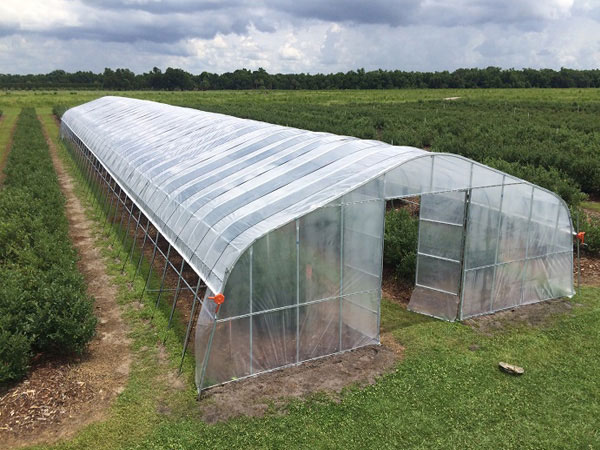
[(49, 98), (593, 206), (447, 392)]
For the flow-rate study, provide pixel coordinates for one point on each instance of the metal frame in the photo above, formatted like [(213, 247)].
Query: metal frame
[(104, 191), (102, 186)]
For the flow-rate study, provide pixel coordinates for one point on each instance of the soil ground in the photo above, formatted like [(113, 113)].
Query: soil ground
[(533, 315), (59, 397), (270, 392), (4, 154), (590, 271), (394, 289)]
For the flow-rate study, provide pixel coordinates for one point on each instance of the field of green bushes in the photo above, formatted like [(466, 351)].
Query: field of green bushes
[(44, 307)]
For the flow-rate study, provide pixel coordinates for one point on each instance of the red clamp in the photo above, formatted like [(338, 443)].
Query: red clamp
[(580, 236), (218, 299)]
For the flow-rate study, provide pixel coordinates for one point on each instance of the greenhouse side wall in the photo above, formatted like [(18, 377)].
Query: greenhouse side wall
[(308, 289)]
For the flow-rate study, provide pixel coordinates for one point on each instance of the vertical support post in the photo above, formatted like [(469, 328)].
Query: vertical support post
[(96, 186), (341, 322), (431, 174), (176, 296), (146, 233), (88, 173), (124, 210), (297, 290), (251, 291), (106, 191), (499, 226), (465, 236), (130, 251), (383, 210), (116, 199), (90, 170), (127, 227), (151, 265), (463, 244), (164, 274), (189, 329), (113, 196), (92, 179), (126, 230)]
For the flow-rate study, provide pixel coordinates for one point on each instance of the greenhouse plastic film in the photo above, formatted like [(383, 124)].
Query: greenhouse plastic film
[(289, 225)]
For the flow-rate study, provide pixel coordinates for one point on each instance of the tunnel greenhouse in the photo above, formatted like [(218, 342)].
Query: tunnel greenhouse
[(284, 228)]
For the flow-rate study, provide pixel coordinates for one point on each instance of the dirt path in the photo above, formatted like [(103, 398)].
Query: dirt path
[(4, 154), (60, 397)]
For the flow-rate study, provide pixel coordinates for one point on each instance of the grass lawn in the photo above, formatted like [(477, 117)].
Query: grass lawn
[(447, 392), (593, 206)]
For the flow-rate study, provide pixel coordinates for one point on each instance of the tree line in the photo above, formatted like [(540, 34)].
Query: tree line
[(178, 79)]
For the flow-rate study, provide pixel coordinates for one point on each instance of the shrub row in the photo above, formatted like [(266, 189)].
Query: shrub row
[(550, 178), (400, 243), (44, 307), (59, 110)]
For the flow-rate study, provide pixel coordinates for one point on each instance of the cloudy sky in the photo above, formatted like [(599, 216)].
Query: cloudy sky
[(37, 36)]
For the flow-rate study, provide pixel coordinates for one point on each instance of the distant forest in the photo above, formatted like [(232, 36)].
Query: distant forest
[(178, 79)]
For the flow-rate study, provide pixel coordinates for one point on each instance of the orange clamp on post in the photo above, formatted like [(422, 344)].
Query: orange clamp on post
[(580, 236), (218, 299)]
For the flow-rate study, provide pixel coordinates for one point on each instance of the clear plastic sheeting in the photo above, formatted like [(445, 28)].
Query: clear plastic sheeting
[(518, 249), (288, 224), (306, 290)]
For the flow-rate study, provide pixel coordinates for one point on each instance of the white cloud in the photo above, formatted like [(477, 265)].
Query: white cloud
[(219, 42), (289, 52), (290, 36)]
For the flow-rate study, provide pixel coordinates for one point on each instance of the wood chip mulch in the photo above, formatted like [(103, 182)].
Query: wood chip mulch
[(49, 395), (590, 270)]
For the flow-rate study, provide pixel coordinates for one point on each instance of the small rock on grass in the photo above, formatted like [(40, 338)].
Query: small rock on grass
[(511, 369)]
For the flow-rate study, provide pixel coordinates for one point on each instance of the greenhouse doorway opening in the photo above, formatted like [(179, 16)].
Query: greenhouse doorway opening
[(401, 237), (424, 251)]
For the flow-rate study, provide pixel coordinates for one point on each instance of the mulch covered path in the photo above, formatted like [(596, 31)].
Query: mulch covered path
[(59, 397)]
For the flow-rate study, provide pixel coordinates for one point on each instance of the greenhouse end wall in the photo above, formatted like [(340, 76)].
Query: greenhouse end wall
[(308, 289), (482, 250), (487, 241)]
